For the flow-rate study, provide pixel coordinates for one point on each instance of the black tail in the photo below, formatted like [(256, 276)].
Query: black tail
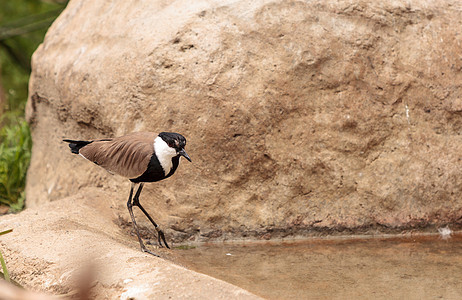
[(76, 145)]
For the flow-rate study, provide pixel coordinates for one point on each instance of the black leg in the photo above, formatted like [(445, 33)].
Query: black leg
[(160, 233), (130, 210)]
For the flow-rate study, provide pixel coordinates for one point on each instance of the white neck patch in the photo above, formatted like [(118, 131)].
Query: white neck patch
[(164, 154)]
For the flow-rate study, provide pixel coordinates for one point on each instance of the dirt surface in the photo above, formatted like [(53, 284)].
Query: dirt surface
[(54, 247)]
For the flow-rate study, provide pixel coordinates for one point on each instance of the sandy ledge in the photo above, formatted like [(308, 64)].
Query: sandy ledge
[(52, 243)]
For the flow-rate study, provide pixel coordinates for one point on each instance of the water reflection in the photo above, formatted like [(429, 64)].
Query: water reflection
[(392, 268)]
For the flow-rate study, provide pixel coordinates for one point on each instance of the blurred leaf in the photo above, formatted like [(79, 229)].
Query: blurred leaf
[(6, 275), (28, 24), (6, 231)]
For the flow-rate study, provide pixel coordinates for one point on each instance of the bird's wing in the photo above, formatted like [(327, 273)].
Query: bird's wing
[(127, 155)]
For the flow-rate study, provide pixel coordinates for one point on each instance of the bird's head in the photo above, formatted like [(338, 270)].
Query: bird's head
[(175, 141)]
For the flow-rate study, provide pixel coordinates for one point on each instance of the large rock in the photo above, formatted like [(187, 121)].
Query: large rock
[(301, 117)]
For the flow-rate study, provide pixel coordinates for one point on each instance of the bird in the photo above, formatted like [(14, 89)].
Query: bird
[(141, 157)]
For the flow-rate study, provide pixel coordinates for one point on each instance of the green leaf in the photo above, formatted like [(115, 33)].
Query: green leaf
[(6, 231), (6, 275)]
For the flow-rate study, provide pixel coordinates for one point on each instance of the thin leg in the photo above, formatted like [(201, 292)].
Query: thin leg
[(130, 210), (160, 233)]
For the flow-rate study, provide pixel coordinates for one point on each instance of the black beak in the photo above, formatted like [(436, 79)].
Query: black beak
[(184, 154)]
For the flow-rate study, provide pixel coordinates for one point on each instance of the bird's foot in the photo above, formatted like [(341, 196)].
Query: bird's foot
[(161, 237), (144, 249)]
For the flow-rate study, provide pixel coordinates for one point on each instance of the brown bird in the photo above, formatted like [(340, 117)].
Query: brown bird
[(140, 157)]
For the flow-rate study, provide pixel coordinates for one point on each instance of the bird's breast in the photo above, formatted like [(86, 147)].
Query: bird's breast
[(154, 172)]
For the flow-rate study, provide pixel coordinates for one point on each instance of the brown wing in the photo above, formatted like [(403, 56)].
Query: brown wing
[(128, 155)]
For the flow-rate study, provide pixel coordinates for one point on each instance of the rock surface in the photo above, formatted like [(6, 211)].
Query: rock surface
[(301, 117), (52, 246)]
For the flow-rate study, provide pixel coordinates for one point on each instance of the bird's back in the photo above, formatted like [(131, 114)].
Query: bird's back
[(127, 155)]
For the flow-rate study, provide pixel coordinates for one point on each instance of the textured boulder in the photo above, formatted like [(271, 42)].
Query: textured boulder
[(301, 117)]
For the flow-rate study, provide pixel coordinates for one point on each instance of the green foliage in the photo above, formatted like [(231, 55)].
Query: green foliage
[(15, 149), (23, 24), (5, 274)]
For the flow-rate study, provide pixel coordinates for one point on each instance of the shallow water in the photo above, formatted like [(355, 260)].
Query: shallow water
[(425, 267)]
